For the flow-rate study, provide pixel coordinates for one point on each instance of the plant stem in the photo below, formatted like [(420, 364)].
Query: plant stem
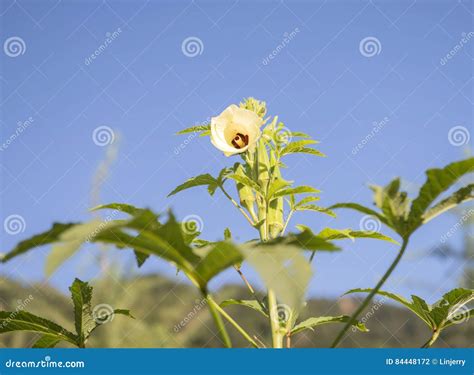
[(286, 222), (277, 338), (218, 321), (250, 288), (239, 207), (432, 339), (371, 294), (232, 321)]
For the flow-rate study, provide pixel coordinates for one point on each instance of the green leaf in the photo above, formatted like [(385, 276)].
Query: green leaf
[(84, 323), (252, 304), (306, 239), (316, 321), (220, 256), (419, 307), (451, 307), (337, 234), (195, 129), (462, 195), (24, 321), (71, 240), (312, 207), (438, 180), (244, 180), (300, 147), (227, 234), (203, 179), (41, 239), (295, 190), (305, 201), (360, 208), (122, 207), (46, 342), (283, 269)]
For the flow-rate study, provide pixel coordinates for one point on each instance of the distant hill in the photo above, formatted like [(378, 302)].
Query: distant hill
[(170, 314)]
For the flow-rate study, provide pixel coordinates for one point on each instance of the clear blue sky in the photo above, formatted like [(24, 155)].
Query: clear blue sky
[(144, 87)]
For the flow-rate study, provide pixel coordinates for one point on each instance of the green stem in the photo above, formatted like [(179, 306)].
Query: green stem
[(239, 207), (277, 337), (371, 294), (286, 222), (233, 322), (218, 321), (432, 339)]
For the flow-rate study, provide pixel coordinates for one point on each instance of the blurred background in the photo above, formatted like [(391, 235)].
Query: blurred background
[(93, 92)]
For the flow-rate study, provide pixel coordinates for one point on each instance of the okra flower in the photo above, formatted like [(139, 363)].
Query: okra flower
[(235, 130)]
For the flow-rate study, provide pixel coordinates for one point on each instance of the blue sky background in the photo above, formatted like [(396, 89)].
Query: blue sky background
[(144, 87)]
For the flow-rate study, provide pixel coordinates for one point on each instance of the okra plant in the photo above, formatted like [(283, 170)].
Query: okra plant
[(254, 184)]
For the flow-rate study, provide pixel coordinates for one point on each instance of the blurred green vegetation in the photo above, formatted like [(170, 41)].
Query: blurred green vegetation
[(170, 314)]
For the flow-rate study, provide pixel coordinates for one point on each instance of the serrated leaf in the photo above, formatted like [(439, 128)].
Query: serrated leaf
[(38, 240), (464, 194), (360, 208), (24, 321), (46, 342), (337, 234), (203, 179), (320, 320), (312, 207), (81, 294), (195, 129), (437, 181), (252, 304), (297, 146), (295, 190), (122, 207)]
